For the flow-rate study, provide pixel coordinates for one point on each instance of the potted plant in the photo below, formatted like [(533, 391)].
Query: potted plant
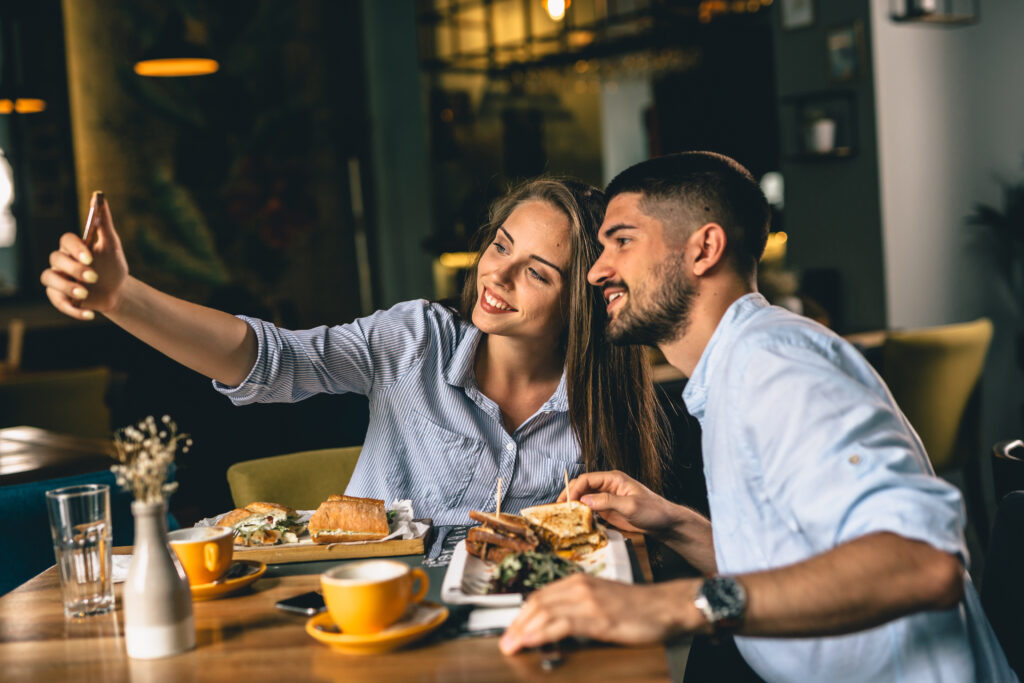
[(1004, 232)]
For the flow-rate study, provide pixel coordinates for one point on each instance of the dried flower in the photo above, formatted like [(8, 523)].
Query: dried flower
[(145, 452)]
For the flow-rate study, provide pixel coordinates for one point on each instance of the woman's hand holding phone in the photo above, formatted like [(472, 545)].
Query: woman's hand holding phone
[(86, 273)]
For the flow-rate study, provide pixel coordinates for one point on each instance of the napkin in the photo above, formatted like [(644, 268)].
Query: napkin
[(490, 618), (119, 571)]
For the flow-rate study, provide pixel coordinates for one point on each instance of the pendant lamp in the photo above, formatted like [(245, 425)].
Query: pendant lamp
[(178, 51)]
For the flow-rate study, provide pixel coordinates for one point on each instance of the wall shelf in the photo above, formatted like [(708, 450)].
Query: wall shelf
[(949, 13), (819, 126)]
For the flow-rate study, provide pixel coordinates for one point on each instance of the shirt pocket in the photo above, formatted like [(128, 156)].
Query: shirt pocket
[(442, 463), (546, 478)]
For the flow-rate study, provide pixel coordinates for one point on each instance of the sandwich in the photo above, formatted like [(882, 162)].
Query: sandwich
[(499, 535), (343, 519), (263, 524), (569, 528)]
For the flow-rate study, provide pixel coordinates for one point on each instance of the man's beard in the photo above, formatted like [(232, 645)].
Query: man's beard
[(665, 318)]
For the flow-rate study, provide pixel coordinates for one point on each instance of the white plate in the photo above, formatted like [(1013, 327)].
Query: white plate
[(468, 576)]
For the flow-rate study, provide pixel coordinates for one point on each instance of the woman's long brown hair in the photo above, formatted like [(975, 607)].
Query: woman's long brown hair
[(613, 409)]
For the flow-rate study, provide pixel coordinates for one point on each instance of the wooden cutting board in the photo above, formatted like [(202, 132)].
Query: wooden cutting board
[(312, 552)]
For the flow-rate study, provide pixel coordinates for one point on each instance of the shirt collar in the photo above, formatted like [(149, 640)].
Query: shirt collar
[(459, 370), (696, 391)]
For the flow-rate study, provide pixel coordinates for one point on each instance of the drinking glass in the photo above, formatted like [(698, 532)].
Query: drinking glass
[(80, 527)]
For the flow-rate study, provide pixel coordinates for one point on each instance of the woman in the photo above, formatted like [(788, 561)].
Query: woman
[(520, 385)]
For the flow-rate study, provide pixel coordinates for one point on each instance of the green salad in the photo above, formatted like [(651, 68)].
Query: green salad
[(527, 571)]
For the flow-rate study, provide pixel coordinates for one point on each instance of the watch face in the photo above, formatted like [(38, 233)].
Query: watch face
[(726, 598)]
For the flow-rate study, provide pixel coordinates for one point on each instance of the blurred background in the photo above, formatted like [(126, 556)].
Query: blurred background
[(341, 155)]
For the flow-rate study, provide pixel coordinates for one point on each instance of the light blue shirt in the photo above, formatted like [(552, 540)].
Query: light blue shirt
[(433, 437), (805, 449)]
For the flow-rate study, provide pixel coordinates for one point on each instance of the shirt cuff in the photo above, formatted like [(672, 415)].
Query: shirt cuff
[(940, 528), (255, 382)]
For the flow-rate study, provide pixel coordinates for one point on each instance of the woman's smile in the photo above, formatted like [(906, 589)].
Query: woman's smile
[(494, 304)]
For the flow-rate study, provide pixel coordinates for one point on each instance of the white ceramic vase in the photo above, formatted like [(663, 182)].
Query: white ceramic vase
[(157, 599)]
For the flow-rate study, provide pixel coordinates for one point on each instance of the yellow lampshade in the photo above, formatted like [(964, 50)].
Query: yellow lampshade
[(176, 66), (29, 105), (180, 50)]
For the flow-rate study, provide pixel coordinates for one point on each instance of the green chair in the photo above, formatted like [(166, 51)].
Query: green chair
[(933, 374), (299, 480), (65, 401)]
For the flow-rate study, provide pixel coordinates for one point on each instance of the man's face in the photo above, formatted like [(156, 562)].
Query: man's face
[(646, 287)]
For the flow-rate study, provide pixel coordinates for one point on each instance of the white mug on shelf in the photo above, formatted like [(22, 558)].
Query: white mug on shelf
[(821, 136)]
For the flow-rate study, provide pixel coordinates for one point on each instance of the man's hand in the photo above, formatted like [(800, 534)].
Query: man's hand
[(623, 502), (629, 505), (610, 611)]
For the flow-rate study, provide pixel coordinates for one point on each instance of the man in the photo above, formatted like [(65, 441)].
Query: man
[(836, 553)]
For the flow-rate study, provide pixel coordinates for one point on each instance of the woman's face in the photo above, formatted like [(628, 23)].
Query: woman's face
[(523, 276)]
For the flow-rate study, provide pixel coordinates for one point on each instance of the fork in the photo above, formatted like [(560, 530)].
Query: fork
[(551, 656)]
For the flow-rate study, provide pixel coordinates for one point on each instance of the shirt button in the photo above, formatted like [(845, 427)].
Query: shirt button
[(854, 459), (510, 446)]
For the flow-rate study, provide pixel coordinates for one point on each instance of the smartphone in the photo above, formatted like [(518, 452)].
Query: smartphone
[(95, 202), (309, 604)]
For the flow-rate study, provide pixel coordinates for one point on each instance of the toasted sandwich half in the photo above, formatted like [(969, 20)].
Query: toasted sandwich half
[(499, 535), (341, 519), (263, 524), (568, 528)]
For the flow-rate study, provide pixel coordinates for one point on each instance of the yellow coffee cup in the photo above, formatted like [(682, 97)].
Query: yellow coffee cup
[(204, 552), (369, 596)]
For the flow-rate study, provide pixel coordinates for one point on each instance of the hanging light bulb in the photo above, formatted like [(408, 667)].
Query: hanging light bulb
[(556, 8), (177, 52)]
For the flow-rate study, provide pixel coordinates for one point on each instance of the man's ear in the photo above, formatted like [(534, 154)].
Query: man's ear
[(708, 242)]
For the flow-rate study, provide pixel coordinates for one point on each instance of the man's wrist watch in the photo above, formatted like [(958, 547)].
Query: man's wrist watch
[(722, 600)]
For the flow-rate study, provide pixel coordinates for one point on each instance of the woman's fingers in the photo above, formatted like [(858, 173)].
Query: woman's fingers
[(72, 245), (72, 268), (66, 305), (59, 281)]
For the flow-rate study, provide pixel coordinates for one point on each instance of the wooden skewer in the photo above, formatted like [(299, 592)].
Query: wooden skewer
[(565, 470), (483, 552)]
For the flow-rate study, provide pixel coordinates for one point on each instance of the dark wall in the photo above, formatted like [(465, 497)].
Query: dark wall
[(832, 211), (38, 145), (726, 102)]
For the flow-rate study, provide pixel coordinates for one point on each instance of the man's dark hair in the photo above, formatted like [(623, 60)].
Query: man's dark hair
[(708, 188)]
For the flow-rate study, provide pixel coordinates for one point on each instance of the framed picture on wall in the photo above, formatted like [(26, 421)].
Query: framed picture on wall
[(845, 52), (797, 14)]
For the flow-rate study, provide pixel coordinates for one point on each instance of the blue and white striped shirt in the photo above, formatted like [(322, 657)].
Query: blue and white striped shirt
[(433, 436)]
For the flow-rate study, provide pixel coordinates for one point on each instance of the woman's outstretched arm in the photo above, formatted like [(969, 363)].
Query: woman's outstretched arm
[(87, 278)]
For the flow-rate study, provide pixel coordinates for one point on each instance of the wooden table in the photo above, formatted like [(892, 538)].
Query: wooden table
[(245, 638), (31, 454)]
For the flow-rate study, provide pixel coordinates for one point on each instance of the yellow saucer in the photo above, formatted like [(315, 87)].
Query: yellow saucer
[(225, 586), (425, 617)]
